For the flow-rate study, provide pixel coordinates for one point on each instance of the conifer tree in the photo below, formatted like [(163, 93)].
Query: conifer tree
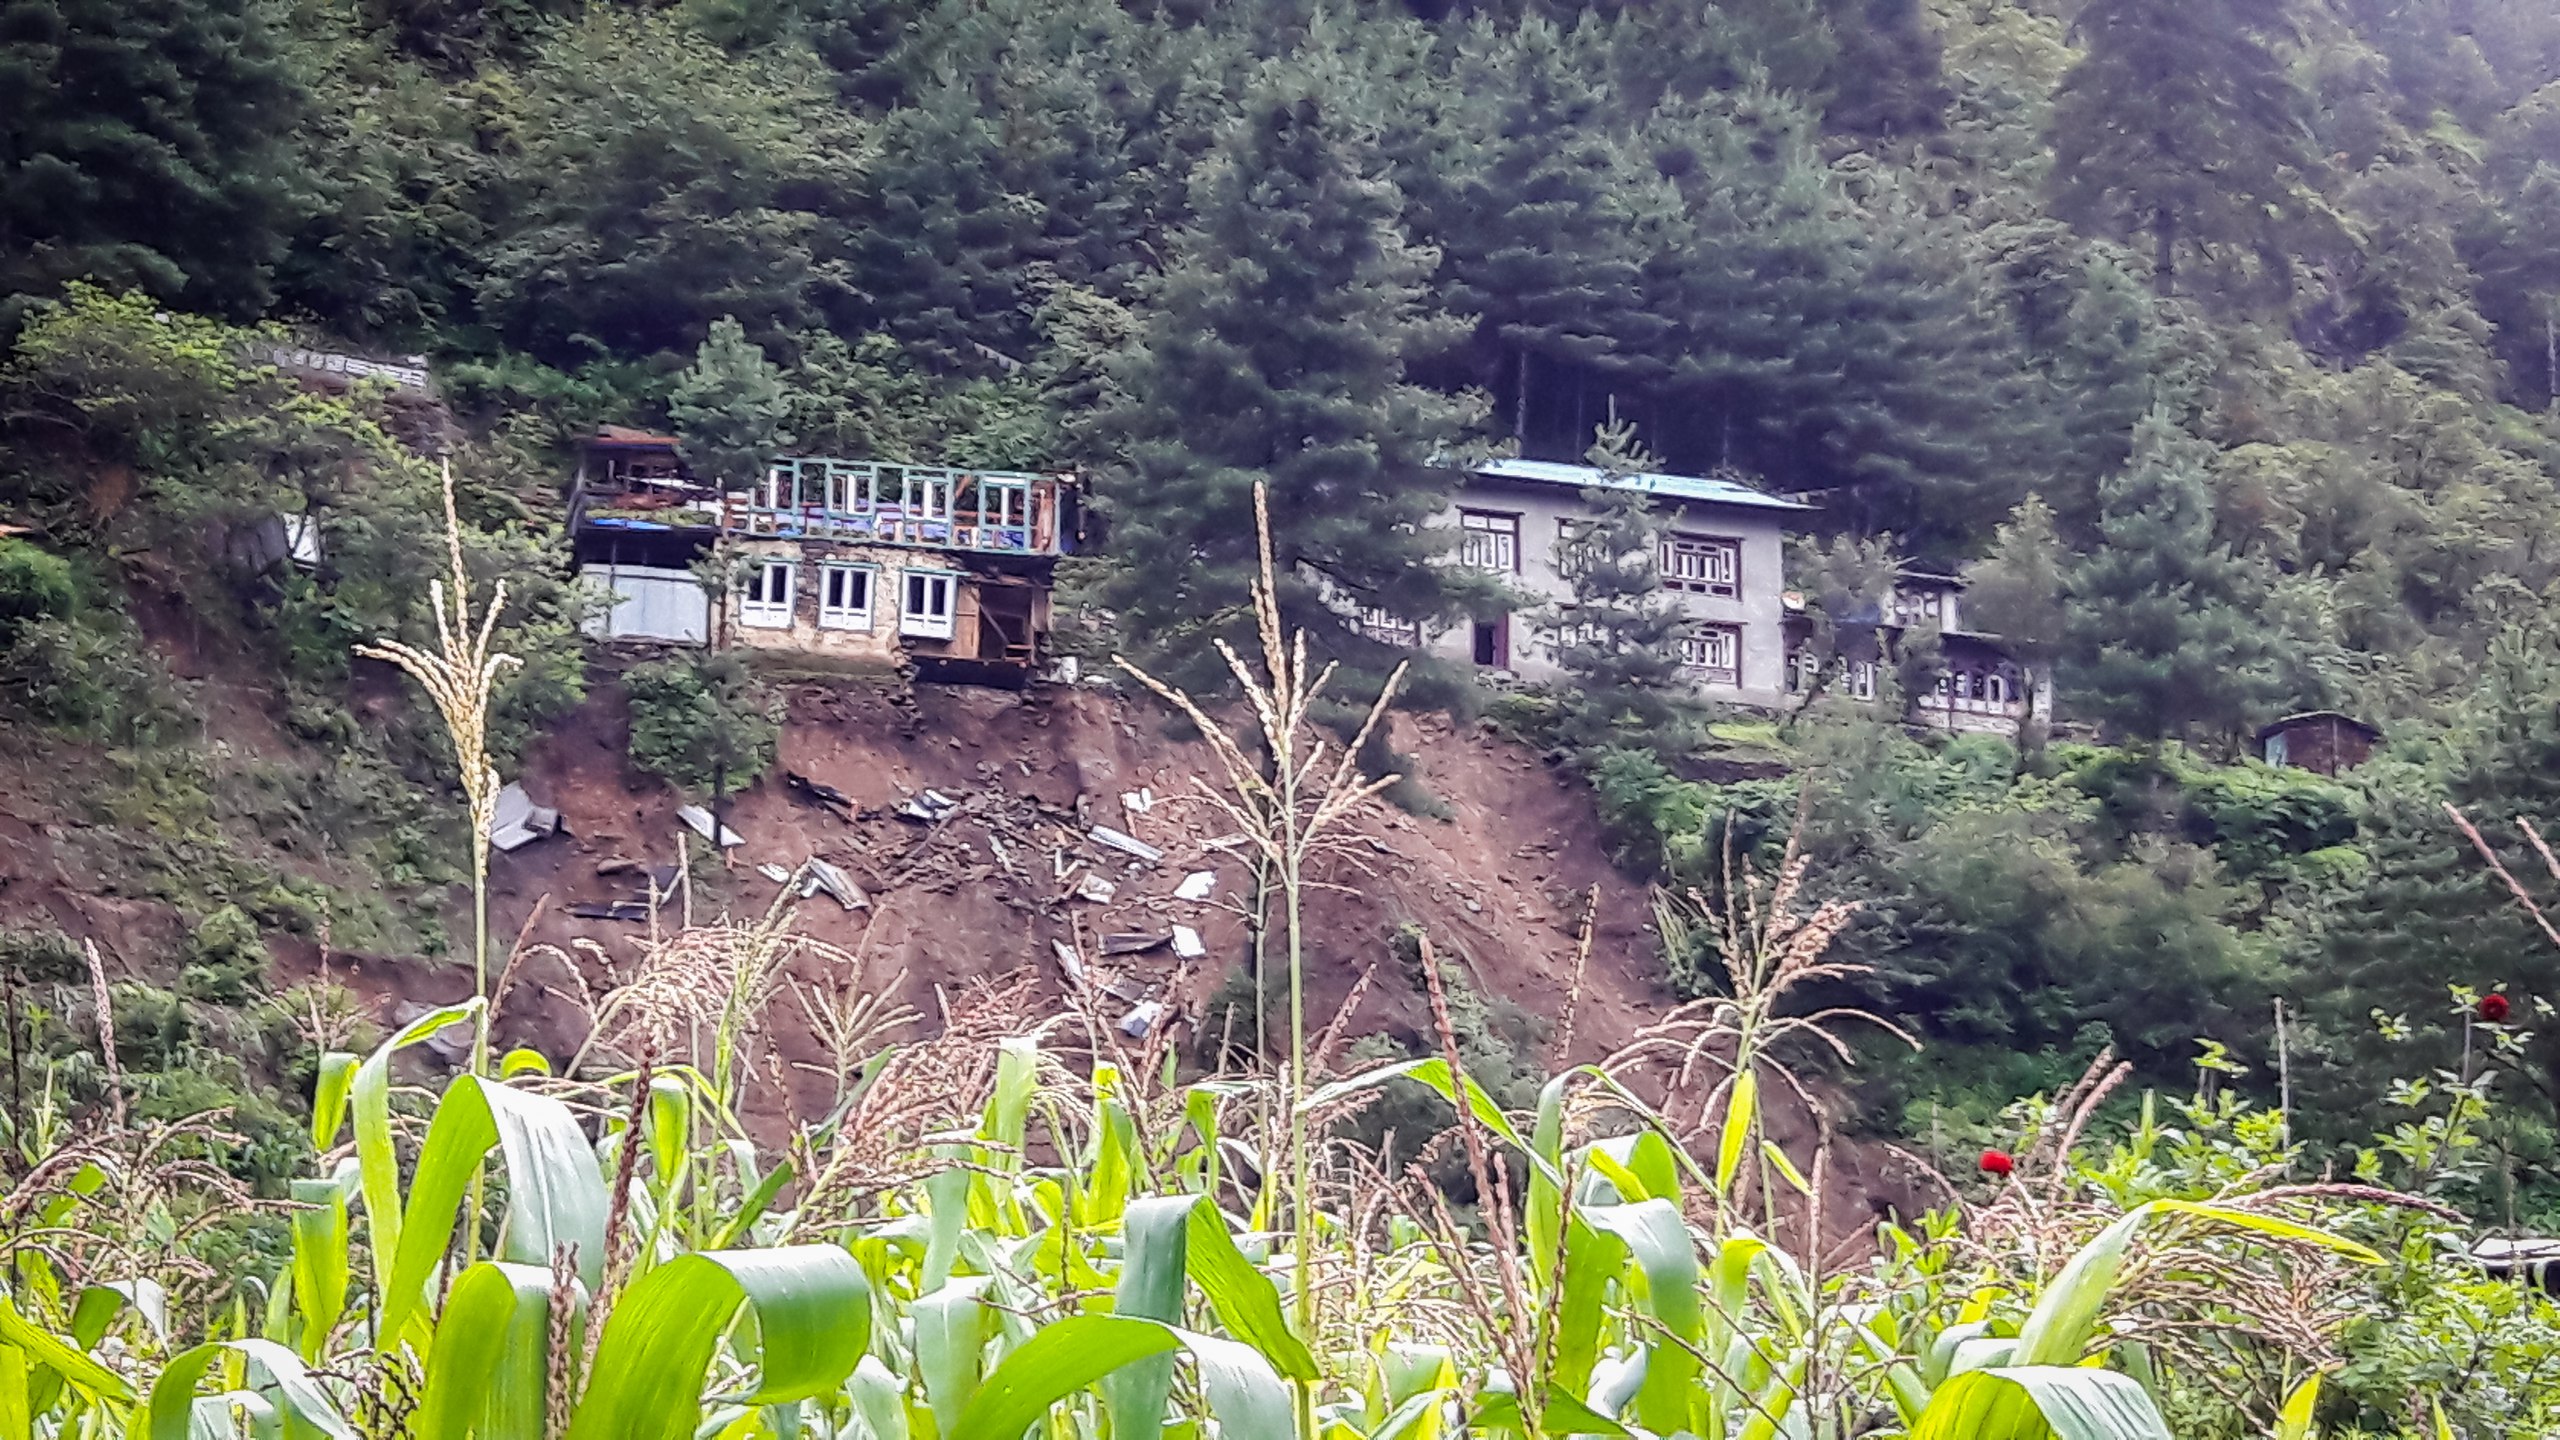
[(1545, 250), (144, 145), (2160, 640), (1276, 352), (2180, 124), (730, 407), (2015, 592), (1619, 638)]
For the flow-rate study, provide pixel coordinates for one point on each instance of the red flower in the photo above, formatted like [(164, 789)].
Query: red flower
[(1997, 1162), (2493, 1008)]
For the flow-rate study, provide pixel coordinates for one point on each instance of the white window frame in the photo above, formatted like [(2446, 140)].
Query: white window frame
[(1489, 540), (1862, 679), (1704, 648), (929, 494), (832, 616), (779, 488), (1702, 565), (917, 616), (758, 606)]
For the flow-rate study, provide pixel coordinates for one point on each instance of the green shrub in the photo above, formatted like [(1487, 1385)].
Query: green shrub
[(225, 959), (700, 718), (35, 584)]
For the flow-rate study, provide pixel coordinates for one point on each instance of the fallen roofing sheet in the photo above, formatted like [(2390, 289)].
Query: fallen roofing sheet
[(518, 822)]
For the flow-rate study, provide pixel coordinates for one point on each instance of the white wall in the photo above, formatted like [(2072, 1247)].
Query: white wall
[(648, 604), (1758, 608)]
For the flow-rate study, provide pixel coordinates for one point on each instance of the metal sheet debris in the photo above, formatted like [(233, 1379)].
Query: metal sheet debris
[(1138, 802), (826, 879), (1198, 885), (1096, 889), (774, 873), (930, 807), (627, 910), (518, 822), (1068, 960), (1186, 943), (1141, 1019), (1128, 943), (820, 793), (1125, 843), (700, 822)]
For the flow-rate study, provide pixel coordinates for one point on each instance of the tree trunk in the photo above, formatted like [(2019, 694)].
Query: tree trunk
[(2550, 358), (2164, 251), (1520, 399)]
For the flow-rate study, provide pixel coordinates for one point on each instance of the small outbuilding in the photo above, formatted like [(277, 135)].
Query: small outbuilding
[(2326, 742)]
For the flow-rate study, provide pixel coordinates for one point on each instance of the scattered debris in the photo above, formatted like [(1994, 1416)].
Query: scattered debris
[(821, 794), (518, 822), (628, 910), (1095, 888), (1138, 802), (932, 807), (1065, 670), (1129, 943), (701, 823), (1198, 885), (1186, 943), (774, 873), (1141, 1019), (1068, 960), (1225, 842), (1127, 844), (826, 879)]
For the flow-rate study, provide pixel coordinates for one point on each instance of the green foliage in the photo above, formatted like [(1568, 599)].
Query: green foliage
[(149, 148), (703, 720), (729, 407), (225, 958), (1293, 219), (35, 584), (1619, 637), (2160, 635)]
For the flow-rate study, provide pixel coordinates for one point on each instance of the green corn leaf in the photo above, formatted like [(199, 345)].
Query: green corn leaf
[(946, 1194), (329, 1097), (1593, 1260), (1247, 1301), (2294, 1421), (951, 1347), (811, 1305), (41, 1348), (2057, 1331), (1741, 1113), (170, 1413), (1249, 1400), (879, 1400), (1435, 1073), (488, 1371), (17, 1409), (320, 1263), (752, 1209), (2040, 1402), (377, 1154), (556, 1192), (521, 1061), (1156, 1251), (2270, 1226), (670, 1121), (1667, 1259)]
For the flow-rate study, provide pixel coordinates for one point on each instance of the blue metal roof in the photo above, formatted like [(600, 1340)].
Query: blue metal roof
[(1697, 489)]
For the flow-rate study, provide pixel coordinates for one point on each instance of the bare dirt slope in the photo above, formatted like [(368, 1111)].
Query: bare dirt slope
[(1500, 885)]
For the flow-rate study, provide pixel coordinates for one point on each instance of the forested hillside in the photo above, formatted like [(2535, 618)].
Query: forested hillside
[(2212, 340)]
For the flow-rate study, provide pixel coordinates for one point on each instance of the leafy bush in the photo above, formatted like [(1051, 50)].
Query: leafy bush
[(35, 584), (225, 960), (703, 717)]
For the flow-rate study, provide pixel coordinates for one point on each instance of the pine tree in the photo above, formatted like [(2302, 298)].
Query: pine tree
[(1545, 250), (2015, 592), (1619, 637), (2181, 124), (144, 144), (2160, 639), (1276, 352), (730, 407)]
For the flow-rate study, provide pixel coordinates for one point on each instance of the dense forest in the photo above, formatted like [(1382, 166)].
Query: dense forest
[(2213, 340)]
